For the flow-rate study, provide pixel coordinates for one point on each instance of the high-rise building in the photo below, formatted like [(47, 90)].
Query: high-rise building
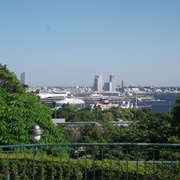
[(108, 86), (98, 83), (122, 86), (112, 79), (23, 78)]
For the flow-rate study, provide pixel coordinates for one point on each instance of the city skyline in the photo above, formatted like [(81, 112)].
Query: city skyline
[(65, 43)]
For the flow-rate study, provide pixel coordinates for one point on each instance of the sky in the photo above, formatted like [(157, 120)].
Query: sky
[(68, 42)]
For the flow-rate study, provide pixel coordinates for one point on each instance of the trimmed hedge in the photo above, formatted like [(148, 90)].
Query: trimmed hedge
[(30, 167)]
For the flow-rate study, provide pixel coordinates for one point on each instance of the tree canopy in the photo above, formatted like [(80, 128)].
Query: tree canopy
[(20, 110), (147, 127), (9, 81)]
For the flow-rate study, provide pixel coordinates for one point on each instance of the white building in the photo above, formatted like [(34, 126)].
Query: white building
[(112, 79)]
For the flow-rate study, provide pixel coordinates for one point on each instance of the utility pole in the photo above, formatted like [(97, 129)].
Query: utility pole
[(169, 107)]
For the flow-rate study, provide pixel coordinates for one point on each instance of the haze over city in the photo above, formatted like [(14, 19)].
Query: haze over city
[(66, 43)]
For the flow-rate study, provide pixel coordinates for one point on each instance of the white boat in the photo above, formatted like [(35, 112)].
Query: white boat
[(126, 104), (62, 94), (72, 101)]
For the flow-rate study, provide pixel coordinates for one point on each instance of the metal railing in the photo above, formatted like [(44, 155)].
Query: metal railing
[(90, 161)]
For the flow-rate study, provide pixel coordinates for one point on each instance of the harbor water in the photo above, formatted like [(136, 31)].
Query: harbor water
[(164, 102)]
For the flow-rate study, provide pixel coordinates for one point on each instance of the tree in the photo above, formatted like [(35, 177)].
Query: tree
[(117, 134), (93, 134), (107, 117), (155, 128), (176, 117), (67, 111), (85, 115), (18, 113), (20, 110), (125, 114), (9, 81), (97, 111)]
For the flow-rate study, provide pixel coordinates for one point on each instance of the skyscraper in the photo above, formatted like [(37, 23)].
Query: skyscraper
[(98, 83), (112, 79), (108, 86), (23, 78), (122, 86)]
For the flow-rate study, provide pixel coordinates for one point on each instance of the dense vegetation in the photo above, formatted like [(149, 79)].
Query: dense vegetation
[(64, 168), (20, 110), (146, 127), (72, 113)]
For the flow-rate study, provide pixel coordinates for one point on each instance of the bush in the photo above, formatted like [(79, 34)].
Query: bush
[(46, 167)]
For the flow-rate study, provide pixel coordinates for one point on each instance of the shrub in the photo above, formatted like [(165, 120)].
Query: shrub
[(47, 167)]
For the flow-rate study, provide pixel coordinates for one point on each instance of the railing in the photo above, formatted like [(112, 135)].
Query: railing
[(90, 161)]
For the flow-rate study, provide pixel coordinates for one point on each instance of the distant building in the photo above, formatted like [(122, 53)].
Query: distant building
[(108, 86), (112, 79), (23, 78), (122, 86), (98, 83)]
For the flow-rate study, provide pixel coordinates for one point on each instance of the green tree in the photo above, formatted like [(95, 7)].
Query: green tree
[(85, 115), (9, 81), (18, 113), (107, 117), (20, 110), (97, 111), (67, 111), (93, 134), (155, 128), (139, 114), (124, 114), (117, 134), (176, 117)]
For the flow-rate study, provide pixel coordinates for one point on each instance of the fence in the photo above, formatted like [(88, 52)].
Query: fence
[(90, 161)]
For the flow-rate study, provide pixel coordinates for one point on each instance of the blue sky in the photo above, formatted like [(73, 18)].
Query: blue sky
[(66, 43)]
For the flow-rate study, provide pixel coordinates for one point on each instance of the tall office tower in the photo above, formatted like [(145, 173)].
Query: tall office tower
[(98, 83), (23, 78), (122, 86), (112, 79), (108, 86)]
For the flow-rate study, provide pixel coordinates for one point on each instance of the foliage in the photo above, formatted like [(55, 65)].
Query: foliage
[(139, 114), (93, 134), (176, 117), (85, 115), (107, 117), (9, 81), (18, 113), (64, 168), (155, 128), (72, 134), (72, 113), (67, 111), (20, 110), (125, 114), (97, 112), (119, 133)]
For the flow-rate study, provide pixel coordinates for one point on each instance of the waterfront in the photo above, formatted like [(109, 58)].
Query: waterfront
[(161, 106), (159, 102)]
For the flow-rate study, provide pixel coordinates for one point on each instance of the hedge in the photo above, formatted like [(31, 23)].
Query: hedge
[(30, 167)]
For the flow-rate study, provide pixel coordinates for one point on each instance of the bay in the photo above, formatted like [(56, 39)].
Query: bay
[(165, 103)]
